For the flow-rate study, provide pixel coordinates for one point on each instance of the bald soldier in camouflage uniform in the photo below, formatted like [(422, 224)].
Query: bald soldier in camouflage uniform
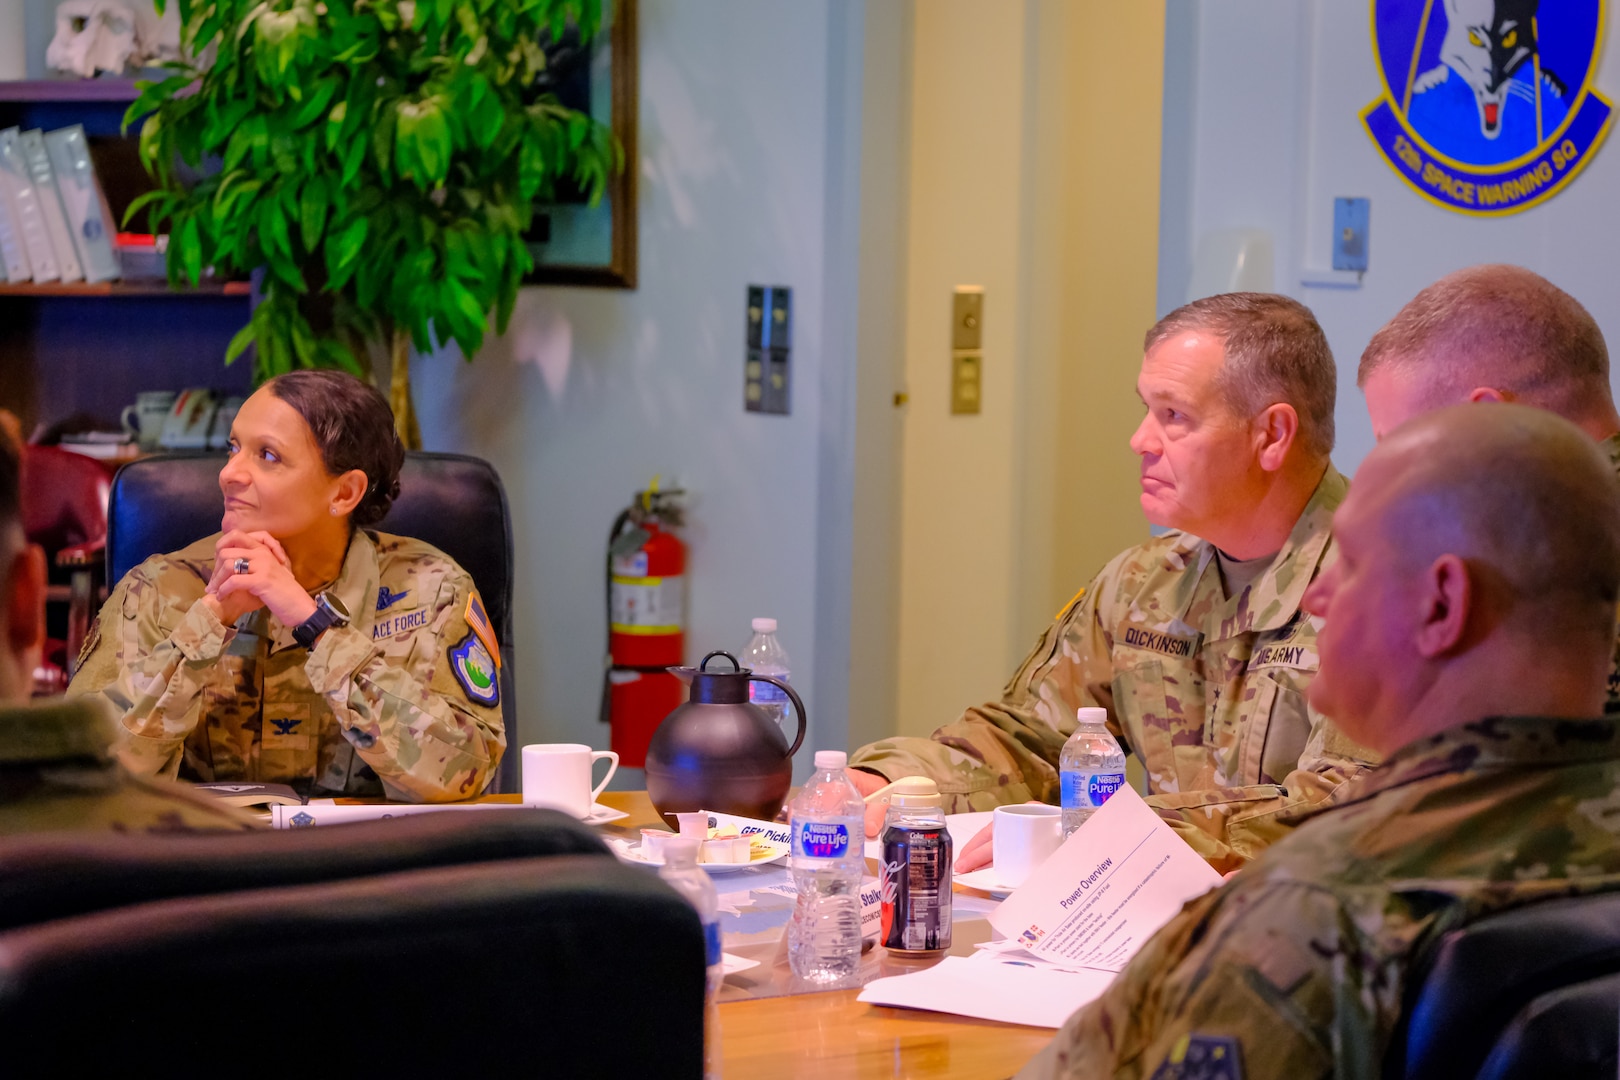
[(1476, 657), (1495, 333), (404, 702), (1195, 646)]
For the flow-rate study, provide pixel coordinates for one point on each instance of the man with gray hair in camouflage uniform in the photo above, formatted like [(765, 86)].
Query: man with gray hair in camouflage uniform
[(1467, 623), (1194, 641)]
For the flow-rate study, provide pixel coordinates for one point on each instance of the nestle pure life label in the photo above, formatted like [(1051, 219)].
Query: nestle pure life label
[(821, 839), (1089, 789)]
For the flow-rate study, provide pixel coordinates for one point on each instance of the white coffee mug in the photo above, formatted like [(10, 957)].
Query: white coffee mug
[(145, 418), (1025, 834), (558, 776)]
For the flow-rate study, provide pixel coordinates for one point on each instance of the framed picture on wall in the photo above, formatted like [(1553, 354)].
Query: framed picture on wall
[(573, 242)]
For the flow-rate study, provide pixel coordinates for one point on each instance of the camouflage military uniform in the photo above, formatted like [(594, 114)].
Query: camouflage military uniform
[(403, 702), (1208, 691), (1302, 959), (57, 772)]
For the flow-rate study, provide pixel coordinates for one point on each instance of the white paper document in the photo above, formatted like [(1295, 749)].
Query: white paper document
[(1078, 919), (992, 987), (1099, 897)]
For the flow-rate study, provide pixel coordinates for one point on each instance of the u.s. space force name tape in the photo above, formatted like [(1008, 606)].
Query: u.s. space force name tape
[(324, 813)]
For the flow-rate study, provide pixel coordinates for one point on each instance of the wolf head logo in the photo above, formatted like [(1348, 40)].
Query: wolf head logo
[(1487, 42)]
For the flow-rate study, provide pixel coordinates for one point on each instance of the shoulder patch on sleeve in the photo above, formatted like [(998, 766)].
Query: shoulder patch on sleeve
[(1202, 1057), (1066, 608), (475, 670), (478, 619)]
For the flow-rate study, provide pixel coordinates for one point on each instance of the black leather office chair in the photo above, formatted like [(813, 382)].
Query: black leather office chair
[(45, 876), (573, 965), (452, 501), (1572, 1033), (1470, 986)]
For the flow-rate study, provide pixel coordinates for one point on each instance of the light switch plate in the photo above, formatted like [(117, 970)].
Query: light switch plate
[(967, 317), (767, 365), (1351, 225)]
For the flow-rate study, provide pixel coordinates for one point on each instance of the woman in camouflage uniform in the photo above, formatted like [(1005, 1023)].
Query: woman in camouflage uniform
[(296, 645)]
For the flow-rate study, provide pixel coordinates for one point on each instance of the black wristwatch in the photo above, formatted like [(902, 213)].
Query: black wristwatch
[(329, 612)]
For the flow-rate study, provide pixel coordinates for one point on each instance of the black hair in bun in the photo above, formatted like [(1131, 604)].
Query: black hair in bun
[(354, 428)]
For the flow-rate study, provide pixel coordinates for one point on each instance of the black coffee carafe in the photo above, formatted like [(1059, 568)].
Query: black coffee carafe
[(718, 751)]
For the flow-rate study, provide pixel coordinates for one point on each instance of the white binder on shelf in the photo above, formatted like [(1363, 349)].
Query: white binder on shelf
[(24, 202), (13, 255), (86, 206), (50, 204)]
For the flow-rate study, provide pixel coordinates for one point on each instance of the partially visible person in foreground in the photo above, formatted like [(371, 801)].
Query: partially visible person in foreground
[(1193, 641), (56, 765), (296, 646), (1468, 623)]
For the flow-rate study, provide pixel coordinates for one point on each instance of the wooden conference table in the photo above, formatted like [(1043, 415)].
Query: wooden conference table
[(831, 1036)]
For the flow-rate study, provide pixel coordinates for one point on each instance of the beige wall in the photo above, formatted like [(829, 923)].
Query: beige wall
[(874, 611), (1034, 175), (1110, 267)]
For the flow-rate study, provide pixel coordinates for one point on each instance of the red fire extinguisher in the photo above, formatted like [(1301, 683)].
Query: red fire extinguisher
[(646, 602)]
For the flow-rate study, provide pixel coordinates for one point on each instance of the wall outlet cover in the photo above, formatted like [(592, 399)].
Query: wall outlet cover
[(1351, 222)]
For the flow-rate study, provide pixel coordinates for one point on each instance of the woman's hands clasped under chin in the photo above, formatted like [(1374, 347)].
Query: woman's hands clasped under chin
[(265, 580)]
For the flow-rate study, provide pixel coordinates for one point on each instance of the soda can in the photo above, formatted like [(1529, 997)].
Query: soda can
[(916, 889)]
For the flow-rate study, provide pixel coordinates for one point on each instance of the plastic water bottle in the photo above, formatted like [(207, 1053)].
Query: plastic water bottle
[(828, 826), (1091, 766), (683, 874), (766, 656)]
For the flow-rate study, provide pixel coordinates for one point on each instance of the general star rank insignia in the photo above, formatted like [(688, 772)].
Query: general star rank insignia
[(474, 669)]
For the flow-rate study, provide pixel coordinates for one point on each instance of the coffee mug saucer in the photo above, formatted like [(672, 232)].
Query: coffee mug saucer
[(986, 880), (599, 815)]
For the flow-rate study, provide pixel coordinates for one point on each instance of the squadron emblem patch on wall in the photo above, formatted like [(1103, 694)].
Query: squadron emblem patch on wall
[(1488, 106)]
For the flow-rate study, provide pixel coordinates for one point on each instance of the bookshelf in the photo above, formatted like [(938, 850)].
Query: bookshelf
[(84, 350), (116, 90)]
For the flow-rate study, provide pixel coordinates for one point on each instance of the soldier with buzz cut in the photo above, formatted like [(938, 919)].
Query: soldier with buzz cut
[(1194, 642), (1467, 626), (1495, 333), (1491, 333)]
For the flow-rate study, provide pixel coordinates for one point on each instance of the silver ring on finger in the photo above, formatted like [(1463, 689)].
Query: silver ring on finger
[(241, 566)]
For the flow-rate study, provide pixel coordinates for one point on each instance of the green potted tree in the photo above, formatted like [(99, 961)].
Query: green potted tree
[(379, 160)]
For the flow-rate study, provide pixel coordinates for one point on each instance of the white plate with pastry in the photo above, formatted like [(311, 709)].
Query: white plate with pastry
[(717, 855)]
